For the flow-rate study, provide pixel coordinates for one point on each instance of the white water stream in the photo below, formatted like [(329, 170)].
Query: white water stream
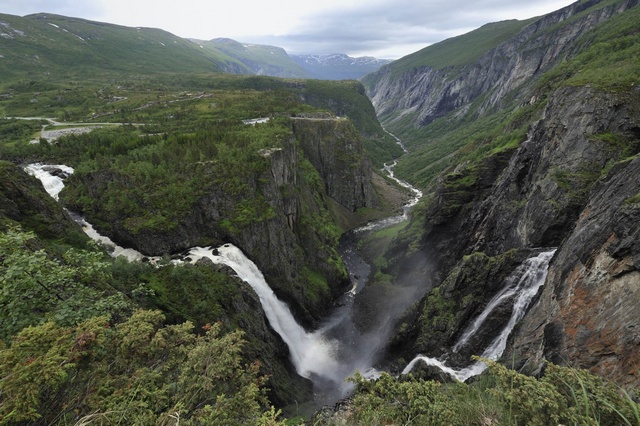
[(311, 353), (315, 355), (328, 355), (52, 178), (523, 284), (417, 195)]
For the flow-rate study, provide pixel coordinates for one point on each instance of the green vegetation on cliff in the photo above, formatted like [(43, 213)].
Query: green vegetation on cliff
[(171, 156), (500, 396), (139, 371), (461, 50)]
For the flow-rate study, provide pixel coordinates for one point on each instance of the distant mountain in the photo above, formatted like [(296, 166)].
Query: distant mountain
[(274, 61), (338, 66), (59, 47), (260, 59)]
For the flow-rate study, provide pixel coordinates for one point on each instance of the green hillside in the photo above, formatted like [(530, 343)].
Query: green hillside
[(260, 59), (461, 50), (57, 48)]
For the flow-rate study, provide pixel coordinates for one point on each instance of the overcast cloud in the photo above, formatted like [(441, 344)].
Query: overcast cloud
[(381, 28)]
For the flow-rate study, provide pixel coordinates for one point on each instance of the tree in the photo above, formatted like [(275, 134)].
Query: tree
[(35, 286)]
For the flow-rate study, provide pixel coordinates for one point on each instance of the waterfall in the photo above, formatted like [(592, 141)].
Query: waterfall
[(52, 178), (310, 352), (53, 183), (519, 282), (528, 279)]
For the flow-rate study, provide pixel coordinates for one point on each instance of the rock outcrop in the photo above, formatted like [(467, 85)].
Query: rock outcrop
[(293, 238), (334, 149), (588, 312), (566, 186)]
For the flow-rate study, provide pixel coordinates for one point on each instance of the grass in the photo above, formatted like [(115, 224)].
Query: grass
[(633, 200), (452, 142), (317, 286)]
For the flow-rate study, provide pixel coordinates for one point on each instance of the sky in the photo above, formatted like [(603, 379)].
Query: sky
[(380, 28)]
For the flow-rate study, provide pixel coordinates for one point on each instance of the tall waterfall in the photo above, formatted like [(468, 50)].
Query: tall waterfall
[(310, 352), (328, 355), (524, 282)]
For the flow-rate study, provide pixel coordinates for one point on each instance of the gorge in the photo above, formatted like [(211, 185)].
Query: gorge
[(364, 273), (326, 356)]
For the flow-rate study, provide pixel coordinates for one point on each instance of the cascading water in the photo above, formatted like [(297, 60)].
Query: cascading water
[(311, 353), (528, 279), (327, 356), (518, 283), (52, 178)]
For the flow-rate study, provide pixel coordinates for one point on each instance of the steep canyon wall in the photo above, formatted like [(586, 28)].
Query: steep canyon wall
[(572, 183)]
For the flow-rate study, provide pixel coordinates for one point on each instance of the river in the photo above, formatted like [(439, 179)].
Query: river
[(337, 349), (327, 355)]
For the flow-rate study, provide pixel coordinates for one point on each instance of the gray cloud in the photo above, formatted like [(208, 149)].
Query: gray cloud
[(380, 26), (383, 28)]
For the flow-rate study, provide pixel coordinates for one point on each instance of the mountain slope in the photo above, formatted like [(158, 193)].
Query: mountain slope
[(259, 59), (533, 144), (56, 46), (430, 84)]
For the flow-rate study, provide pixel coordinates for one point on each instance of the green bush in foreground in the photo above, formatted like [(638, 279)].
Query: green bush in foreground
[(563, 396), (137, 372)]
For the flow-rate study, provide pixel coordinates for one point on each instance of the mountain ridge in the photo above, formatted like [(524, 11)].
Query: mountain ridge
[(338, 66), (45, 45)]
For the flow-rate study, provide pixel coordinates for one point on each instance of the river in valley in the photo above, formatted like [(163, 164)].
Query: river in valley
[(336, 349), (326, 356)]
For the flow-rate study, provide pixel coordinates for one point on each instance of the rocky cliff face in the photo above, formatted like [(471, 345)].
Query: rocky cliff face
[(572, 183), (566, 186), (588, 311), (425, 93), (334, 149), (294, 240)]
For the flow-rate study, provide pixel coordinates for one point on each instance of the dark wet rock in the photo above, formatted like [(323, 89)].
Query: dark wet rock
[(567, 185)]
